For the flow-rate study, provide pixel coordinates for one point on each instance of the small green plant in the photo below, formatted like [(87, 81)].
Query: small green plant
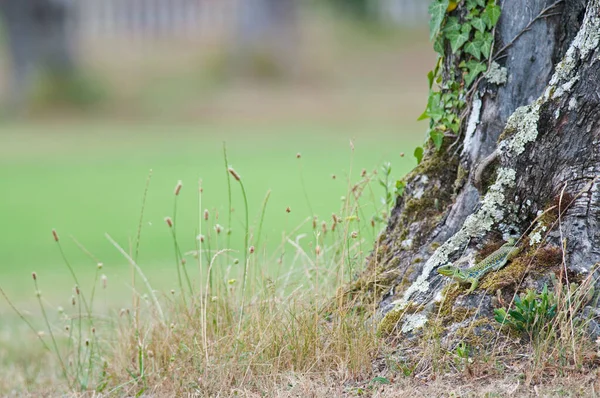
[(532, 312), (462, 351)]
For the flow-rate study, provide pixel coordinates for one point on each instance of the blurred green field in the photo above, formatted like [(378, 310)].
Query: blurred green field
[(88, 179)]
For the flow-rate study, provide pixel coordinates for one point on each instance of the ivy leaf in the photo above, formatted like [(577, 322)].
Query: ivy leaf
[(474, 68), (474, 3), (430, 77), (479, 24), (434, 107), (438, 45), (437, 137), (474, 48), (486, 44), (457, 39), (451, 25), (437, 10), (491, 15), (419, 154)]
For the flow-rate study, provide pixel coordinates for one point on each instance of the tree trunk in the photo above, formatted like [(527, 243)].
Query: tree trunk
[(38, 40), (525, 163)]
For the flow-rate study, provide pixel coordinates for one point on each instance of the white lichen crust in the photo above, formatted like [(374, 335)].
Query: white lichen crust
[(523, 124), (496, 74)]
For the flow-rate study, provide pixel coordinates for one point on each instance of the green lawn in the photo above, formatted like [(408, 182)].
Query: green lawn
[(88, 179)]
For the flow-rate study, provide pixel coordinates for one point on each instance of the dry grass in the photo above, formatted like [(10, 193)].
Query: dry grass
[(278, 333)]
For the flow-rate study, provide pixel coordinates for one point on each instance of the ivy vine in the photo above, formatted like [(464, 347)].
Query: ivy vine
[(467, 34)]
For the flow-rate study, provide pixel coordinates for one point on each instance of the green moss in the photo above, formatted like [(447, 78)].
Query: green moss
[(461, 178), (450, 293), (480, 332), (389, 322)]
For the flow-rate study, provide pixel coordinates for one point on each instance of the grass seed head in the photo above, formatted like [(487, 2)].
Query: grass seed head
[(251, 250), (169, 222), (298, 155), (34, 276), (205, 214), (55, 235), (234, 174), (178, 188), (288, 210)]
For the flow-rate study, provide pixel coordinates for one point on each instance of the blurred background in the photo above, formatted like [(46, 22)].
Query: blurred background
[(96, 93)]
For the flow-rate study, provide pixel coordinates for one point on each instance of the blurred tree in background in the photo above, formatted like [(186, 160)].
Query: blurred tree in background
[(38, 42)]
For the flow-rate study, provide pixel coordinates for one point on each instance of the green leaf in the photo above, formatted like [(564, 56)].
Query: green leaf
[(430, 77), (438, 45), (474, 69), (434, 108), (437, 10), (474, 3), (479, 24), (381, 380), (474, 48), (419, 154), (437, 137), (451, 25), (457, 39), (423, 116), (517, 315), (486, 44), (492, 13), (400, 185)]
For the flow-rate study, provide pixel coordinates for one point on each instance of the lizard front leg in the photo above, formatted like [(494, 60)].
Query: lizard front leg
[(474, 283)]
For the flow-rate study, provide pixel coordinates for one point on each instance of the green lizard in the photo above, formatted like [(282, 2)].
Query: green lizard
[(493, 262)]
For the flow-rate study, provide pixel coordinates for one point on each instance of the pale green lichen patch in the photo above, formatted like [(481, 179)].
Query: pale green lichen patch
[(496, 74)]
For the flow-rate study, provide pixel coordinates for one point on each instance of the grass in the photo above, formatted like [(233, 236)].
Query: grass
[(88, 180)]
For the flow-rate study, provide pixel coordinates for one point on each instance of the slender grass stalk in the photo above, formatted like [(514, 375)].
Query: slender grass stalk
[(38, 294), (246, 246), (144, 279), (262, 218), (71, 271), (228, 195), (134, 298)]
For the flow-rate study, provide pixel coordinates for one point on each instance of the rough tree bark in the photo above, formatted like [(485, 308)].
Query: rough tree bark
[(528, 146)]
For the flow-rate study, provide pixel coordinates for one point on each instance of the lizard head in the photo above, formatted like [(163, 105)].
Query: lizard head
[(451, 271)]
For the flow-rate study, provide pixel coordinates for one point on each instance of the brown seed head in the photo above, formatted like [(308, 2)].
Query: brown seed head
[(34, 276), (93, 330), (104, 281), (298, 156), (318, 250), (87, 342), (373, 222), (183, 261), (234, 174), (178, 188), (324, 227), (251, 250), (55, 235), (205, 214), (73, 301), (314, 222), (169, 222), (333, 176), (401, 154), (67, 328), (354, 234), (200, 238), (363, 173), (218, 228), (288, 210), (77, 290)]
